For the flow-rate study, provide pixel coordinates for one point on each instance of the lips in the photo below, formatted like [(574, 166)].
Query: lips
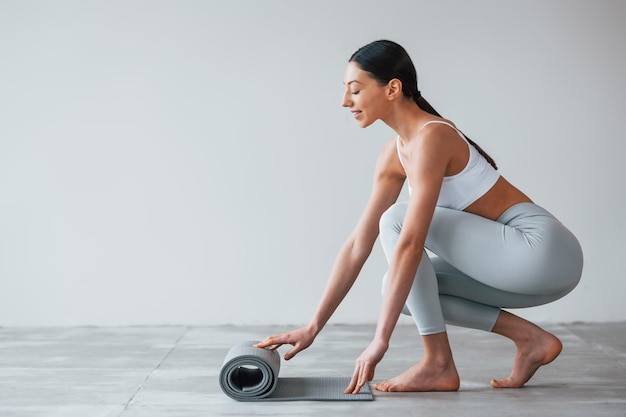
[(356, 113)]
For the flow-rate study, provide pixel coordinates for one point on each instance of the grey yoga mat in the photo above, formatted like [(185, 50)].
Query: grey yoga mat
[(251, 374)]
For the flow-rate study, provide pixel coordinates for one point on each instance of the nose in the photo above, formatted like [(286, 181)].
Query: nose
[(346, 102)]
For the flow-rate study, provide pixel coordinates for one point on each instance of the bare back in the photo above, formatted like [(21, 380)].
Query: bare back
[(494, 202)]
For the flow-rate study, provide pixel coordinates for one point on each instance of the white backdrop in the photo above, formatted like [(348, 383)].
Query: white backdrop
[(189, 162)]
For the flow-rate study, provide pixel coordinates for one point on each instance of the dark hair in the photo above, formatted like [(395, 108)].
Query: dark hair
[(386, 60)]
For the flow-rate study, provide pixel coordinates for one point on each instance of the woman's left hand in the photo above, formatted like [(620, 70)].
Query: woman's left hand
[(365, 366)]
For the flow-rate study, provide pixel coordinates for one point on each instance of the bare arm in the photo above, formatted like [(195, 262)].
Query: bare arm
[(430, 156), (410, 247), (388, 181)]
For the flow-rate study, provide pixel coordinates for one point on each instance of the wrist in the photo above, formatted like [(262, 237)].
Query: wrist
[(314, 328), (381, 340), (382, 335)]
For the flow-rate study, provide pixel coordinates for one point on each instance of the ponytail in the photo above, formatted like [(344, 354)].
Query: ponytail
[(425, 105)]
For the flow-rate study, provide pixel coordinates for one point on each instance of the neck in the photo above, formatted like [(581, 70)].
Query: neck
[(406, 118)]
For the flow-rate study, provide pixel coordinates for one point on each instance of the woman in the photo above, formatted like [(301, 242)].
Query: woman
[(495, 248)]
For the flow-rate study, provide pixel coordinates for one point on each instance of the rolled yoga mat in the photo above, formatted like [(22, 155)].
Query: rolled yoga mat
[(251, 374)]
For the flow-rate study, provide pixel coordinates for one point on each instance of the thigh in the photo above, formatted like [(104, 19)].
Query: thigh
[(452, 281), (532, 253)]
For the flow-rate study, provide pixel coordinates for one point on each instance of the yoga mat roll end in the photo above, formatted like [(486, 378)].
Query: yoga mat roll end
[(249, 373)]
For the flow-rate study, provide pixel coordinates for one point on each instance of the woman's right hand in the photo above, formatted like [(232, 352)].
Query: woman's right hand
[(300, 339)]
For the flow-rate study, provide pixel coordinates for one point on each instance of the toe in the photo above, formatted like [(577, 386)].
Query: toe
[(505, 383), (383, 386)]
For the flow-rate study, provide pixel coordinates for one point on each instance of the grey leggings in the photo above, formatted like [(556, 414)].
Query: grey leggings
[(525, 258)]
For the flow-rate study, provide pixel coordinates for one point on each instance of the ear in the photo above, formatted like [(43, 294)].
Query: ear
[(394, 89)]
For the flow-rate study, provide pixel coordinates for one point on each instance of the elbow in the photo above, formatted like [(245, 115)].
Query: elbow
[(410, 247), (359, 249)]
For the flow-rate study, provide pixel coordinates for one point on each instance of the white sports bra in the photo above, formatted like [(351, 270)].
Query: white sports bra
[(460, 190)]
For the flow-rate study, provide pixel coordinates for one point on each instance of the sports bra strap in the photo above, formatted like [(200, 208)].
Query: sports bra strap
[(447, 124)]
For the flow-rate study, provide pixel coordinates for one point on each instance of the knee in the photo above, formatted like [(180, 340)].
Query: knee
[(392, 218)]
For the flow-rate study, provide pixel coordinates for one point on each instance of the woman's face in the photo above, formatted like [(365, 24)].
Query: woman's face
[(364, 96)]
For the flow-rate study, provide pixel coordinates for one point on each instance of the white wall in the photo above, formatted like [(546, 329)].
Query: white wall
[(189, 162)]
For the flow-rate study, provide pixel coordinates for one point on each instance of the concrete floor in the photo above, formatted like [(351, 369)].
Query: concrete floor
[(172, 371)]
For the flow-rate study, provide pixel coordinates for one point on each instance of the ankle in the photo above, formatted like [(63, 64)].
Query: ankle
[(517, 329), (437, 351), (438, 360)]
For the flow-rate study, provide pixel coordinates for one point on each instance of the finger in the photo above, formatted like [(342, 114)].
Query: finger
[(363, 378), (370, 376), (263, 344), (273, 342), (353, 382), (359, 382), (290, 354), (351, 386)]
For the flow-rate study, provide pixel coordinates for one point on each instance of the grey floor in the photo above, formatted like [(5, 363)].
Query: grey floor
[(172, 371)]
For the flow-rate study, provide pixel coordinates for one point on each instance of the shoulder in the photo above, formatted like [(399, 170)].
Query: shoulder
[(439, 129), (388, 161), (390, 149), (432, 149), (440, 138)]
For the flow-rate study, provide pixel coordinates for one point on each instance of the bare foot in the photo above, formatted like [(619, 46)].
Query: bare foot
[(533, 350), (423, 377)]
